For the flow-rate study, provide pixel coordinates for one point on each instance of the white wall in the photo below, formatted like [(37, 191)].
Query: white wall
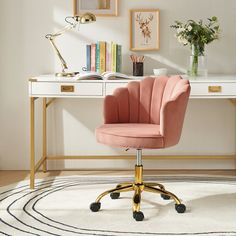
[(24, 52)]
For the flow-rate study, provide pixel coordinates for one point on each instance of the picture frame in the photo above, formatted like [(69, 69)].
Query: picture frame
[(97, 7), (144, 29)]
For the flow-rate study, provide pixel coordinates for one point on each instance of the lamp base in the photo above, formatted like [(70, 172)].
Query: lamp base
[(66, 74)]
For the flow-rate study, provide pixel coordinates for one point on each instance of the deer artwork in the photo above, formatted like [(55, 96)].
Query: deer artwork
[(144, 25)]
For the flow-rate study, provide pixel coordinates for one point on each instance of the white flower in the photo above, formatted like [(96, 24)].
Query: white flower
[(179, 30), (179, 39), (190, 28), (182, 40)]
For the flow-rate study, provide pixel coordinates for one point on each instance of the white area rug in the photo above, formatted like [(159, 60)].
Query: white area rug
[(60, 206)]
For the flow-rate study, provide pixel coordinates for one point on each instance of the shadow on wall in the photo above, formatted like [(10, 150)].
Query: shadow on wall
[(155, 61)]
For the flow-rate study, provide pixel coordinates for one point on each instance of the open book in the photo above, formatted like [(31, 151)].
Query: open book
[(108, 75)]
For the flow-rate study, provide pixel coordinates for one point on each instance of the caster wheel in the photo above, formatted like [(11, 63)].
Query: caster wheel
[(165, 197), (138, 215), (180, 208), (95, 206), (115, 195)]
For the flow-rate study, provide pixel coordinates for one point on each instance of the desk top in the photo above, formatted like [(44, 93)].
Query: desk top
[(53, 78), (209, 78)]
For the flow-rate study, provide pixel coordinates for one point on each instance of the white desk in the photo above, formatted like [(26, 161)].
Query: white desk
[(50, 87)]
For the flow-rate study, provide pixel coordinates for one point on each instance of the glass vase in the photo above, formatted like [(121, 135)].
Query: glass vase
[(198, 61)]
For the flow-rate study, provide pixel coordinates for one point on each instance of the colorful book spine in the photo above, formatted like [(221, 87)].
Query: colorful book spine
[(118, 58), (102, 56), (88, 56), (113, 59), (93, 57), (102, 66), (97, 57), (108, 57)]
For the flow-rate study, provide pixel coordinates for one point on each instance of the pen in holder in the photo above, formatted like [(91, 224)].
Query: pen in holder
[(137, 65)]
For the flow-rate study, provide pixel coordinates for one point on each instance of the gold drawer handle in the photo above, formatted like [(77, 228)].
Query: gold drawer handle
[(67, 88), (214, 89)]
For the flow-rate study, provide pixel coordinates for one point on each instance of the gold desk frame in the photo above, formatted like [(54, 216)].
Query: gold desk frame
[(35, 166)]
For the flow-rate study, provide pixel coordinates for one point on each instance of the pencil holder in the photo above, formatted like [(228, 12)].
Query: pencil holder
[(137, 68)]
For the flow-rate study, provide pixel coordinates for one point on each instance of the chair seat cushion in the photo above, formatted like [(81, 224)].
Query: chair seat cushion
[(130, 135)]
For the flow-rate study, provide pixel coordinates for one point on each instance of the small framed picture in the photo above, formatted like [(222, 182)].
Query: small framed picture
[(144, 29), (97, 7)]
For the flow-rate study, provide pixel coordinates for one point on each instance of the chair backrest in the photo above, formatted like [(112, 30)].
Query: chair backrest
[(141, 102)]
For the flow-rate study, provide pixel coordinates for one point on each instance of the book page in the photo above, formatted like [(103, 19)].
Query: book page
[(89, 76), (114, 75)]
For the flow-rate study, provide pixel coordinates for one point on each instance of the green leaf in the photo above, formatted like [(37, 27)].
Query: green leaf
[(214, 18)]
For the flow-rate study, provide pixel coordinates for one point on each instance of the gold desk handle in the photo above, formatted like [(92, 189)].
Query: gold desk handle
[(67, 88), (214, 89)]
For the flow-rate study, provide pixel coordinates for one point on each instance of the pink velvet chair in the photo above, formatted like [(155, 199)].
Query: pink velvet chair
[(144, 115)]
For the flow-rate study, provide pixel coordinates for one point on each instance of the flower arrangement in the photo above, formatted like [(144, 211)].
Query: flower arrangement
[(197, 35)]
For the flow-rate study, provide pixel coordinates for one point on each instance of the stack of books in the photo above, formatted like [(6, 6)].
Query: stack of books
[(102, 56)]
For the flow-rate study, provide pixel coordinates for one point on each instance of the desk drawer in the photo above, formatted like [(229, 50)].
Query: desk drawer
[(62, 89), (111, 87), (213, 89)]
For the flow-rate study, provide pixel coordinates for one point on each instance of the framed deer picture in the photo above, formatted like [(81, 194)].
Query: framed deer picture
[(144, 30)]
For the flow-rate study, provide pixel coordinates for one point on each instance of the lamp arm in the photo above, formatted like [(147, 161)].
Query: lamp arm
[(62, 31), (52, 37), (62, 60)]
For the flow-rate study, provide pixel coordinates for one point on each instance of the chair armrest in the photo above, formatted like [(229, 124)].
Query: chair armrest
[(116, 107), (172, 117), (110, 110)]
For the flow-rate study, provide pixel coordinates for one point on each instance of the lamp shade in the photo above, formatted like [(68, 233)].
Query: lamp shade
[(87, 18)]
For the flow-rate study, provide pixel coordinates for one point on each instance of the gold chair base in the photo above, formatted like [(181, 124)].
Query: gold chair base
[(138, 186)]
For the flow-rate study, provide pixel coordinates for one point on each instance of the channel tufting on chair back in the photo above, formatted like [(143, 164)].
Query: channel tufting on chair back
[(161, 101)]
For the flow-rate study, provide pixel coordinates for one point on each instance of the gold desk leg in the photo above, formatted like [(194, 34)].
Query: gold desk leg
[(32, 143), (45, 134)]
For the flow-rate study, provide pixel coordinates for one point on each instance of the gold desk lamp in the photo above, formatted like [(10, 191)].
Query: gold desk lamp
[(84, 19)]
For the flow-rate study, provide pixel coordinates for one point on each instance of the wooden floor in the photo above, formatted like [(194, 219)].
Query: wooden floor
[(10, 177)]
